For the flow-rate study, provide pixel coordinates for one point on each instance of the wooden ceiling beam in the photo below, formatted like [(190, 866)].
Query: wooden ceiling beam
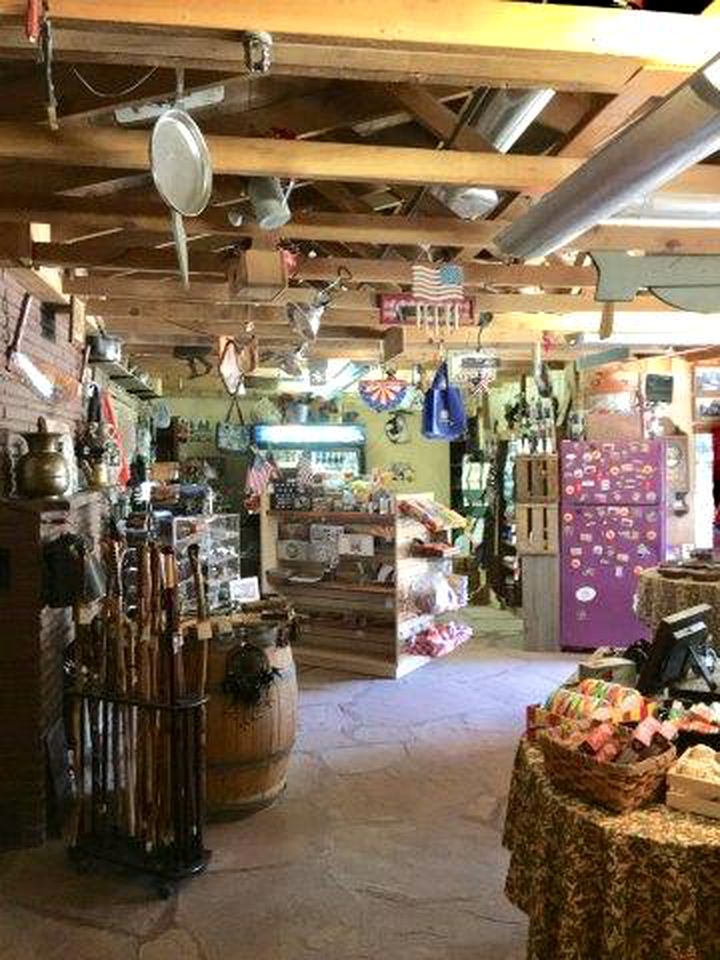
[(475, 274), (298, 159), (91, 217), (149, 260), (663, 38), (437, 118), (365, 301), (329, 60), (604, 123)]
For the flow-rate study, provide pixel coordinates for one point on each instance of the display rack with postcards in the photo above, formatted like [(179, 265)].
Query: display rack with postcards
[(369, 585)]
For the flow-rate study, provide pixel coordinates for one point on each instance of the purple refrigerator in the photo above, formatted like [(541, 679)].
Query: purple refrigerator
[(612, 522)]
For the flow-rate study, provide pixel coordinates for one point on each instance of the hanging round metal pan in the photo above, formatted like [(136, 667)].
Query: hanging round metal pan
[(182, 172)]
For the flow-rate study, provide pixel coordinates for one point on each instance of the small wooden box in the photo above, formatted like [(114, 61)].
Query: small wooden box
[(693, 796), (537, 479), (537, 528)]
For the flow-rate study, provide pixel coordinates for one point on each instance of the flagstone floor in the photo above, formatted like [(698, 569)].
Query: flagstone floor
[(385, 845)]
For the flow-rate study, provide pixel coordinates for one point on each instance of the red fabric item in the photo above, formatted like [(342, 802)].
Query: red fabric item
[(108, 414), (716, 454), (33, 20)]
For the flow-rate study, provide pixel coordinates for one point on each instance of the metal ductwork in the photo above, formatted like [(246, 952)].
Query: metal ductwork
[(468, 203), (503, 118), (683, 129), (506, 114)]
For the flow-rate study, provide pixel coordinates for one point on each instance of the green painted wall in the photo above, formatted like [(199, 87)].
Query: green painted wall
[(430, 459)]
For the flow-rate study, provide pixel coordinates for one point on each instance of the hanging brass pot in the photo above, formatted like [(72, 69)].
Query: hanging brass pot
[(42, 471), (99, 476)]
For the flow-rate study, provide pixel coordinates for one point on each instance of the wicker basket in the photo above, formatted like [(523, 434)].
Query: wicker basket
[(618, 787)]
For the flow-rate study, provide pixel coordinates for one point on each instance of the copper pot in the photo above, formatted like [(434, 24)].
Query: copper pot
[(42, 471)]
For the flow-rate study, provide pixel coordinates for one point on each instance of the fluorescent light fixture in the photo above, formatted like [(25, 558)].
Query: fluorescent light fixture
[(195, 100), (647, 338), (342, 379), (42, 384), (670, 210), (299, 434), (682, 130)]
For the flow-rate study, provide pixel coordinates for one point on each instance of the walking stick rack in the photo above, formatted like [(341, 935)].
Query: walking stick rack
[(138, 731)]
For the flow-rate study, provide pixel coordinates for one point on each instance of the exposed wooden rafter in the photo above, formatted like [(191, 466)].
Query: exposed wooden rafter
[(296, 159)]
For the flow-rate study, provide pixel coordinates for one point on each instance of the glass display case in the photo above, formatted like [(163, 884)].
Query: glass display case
[(218, 537)]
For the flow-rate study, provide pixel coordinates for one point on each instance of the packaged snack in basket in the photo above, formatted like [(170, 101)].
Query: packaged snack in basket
[(611, 742), (598, 738)]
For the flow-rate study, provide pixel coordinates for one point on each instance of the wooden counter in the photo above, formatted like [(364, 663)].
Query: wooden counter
[(351, 621)]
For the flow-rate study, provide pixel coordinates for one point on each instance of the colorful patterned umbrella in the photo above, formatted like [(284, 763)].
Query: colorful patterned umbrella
[(383, 395)]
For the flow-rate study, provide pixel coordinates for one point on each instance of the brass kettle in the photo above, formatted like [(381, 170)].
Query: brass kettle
[(42, 471)]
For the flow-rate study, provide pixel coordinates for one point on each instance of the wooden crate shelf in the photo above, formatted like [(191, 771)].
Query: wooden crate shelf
[(541, 601), (537, 528), (537, 479)]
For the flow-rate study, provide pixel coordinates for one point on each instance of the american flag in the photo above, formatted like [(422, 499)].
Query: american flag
[(438, 284), (304, 470), (262, 471)]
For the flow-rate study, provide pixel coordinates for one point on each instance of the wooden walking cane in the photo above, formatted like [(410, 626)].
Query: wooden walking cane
[(145, 739), (157, 695), (78, 732), (123, 773), (204, 626), (204, 634), (177, 781)]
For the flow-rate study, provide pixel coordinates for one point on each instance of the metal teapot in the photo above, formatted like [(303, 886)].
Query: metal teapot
[(42, 471)]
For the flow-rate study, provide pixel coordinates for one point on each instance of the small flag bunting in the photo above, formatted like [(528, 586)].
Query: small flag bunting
[(383, 395)]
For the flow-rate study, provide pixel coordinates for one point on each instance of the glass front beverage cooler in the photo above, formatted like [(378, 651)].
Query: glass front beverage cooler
[(334, 449)]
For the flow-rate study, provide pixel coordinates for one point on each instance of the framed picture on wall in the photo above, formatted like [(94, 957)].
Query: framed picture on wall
[(707, 380), (707, 408), (706, 396)]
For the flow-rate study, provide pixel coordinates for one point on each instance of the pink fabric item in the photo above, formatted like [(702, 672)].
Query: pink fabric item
[(438, 640)]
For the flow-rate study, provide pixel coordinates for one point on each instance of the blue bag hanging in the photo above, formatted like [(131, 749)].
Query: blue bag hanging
[(444, 415)]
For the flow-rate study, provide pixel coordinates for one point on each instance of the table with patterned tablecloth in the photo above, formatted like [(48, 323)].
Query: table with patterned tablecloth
[(643, 885), (658, 597)]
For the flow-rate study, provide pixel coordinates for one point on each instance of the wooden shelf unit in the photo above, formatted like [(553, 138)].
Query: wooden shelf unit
[(348, 624)]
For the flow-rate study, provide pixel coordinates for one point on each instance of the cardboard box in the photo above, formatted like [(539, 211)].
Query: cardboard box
[(612, 669)]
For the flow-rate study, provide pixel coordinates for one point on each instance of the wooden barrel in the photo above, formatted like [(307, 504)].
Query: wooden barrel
[(248, 744)]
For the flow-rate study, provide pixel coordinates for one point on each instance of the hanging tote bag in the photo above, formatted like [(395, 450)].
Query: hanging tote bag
[(233, 437), (444, 416)]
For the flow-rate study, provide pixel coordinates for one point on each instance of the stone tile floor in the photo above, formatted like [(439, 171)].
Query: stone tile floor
[(385, 845)]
